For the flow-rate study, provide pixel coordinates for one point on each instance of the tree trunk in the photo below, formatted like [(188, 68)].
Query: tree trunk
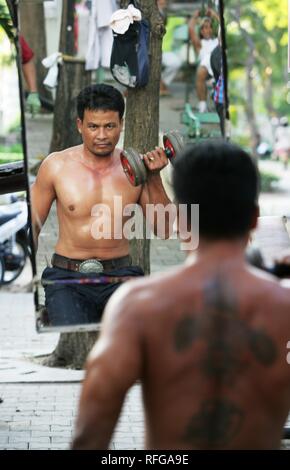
[(268, 96), (72, 350), (250, 63), (249, 104), (72, 78), (142, 112), (32, 26)]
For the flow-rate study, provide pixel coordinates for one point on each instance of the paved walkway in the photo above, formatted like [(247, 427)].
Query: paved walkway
[(38, 404)]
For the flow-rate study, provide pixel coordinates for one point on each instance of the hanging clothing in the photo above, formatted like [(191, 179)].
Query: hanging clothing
[(122, 19), (51, 62), (100, 34)]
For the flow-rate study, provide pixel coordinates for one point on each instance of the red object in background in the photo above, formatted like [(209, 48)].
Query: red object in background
[(26, 52)]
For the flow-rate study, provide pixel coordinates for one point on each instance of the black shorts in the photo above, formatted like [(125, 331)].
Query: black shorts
[(73, 304)]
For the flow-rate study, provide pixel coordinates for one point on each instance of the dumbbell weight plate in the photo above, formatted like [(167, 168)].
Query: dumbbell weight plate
[(173, 143), (133, 167)]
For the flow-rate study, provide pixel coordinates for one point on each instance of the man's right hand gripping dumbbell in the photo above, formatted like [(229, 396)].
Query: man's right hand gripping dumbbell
[(136, 166)]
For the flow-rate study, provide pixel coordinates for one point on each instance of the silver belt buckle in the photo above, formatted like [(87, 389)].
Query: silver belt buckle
[(91, 266)]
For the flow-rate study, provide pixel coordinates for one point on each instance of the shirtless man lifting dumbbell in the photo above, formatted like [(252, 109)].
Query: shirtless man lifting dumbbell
[(78, 179)]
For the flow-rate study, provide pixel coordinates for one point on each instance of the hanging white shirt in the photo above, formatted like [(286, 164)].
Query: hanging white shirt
[(100, 34)]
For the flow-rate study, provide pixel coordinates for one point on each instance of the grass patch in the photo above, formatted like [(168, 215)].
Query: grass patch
[(11, 154)]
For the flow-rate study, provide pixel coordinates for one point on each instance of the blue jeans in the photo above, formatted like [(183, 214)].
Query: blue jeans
[(74, 304)]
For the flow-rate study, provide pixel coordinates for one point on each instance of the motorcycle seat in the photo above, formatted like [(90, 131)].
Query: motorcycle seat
[(7, 217)]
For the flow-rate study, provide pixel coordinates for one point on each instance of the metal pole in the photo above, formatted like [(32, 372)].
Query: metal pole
[(224, 59)]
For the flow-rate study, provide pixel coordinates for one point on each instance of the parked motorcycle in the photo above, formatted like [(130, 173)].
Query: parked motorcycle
[(13, 239)]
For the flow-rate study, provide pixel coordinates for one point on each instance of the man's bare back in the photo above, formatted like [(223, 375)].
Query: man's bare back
[(218, 329), (215, 325)]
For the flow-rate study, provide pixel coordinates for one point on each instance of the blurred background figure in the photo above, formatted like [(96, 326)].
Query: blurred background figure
[(32, 104), (171, 61), (282, 141), (201, 32)]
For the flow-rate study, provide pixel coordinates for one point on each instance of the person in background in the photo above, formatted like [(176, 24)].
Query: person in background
[(219, 92), (204, 43), (33, 103), (171, 62)]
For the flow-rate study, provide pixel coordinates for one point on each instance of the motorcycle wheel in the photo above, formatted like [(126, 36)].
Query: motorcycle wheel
[(11, 274)]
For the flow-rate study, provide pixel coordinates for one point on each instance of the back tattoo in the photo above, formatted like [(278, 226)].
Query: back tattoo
[(228, 340)]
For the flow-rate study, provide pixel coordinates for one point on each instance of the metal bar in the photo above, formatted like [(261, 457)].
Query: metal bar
[(224, 58)]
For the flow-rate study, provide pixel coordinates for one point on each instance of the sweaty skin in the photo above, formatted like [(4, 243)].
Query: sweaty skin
[(208, 341), (83, 176)]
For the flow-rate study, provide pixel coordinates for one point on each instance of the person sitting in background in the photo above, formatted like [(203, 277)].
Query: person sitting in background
[(204, 43), (32, 104)]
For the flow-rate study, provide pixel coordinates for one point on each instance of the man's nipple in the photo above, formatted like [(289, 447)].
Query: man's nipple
[(71, 207)]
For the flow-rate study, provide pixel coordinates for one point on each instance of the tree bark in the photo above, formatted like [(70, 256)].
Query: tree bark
[(71, 350), (268, 96), (32, 26), (72, 78), (249, 104), (250, 63), (142, 112)]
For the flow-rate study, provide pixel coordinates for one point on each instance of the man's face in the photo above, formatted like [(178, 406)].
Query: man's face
[(100, 131)]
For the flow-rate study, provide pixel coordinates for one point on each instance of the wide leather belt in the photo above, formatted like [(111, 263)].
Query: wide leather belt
[(90, 265)]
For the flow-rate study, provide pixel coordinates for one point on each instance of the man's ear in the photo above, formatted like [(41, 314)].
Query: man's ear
[(122, 124), (79, 125), (256, 214)]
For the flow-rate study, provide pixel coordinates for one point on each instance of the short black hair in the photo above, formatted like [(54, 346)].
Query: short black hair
[(100, 97), (223, 179)]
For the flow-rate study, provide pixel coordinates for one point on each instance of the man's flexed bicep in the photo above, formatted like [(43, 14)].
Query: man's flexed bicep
[(42, 196)]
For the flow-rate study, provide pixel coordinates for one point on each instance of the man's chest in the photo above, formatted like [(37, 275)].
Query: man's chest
[(81, 194)]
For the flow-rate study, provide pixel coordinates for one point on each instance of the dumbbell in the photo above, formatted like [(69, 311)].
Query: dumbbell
[(132, 162)]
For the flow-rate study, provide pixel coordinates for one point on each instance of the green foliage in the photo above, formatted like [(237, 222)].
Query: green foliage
[(10, 157), (14, 148), (5, 20), (258, 27), (268, 181), (243, 141)]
